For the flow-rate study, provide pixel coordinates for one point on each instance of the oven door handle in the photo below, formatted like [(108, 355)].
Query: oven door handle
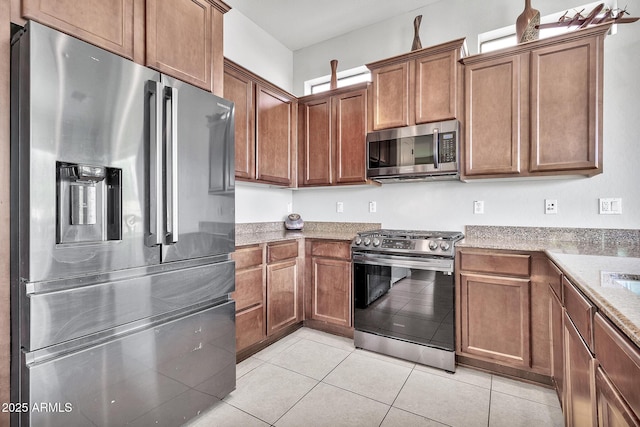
[(434, 264)]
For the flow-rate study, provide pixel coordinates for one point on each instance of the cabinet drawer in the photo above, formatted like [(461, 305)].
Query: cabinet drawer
[(281, 251), (250, 327), (554, 277), (247, 257), (331, 249), (496, 263), (249, 290), (580, 310), (620, 359)]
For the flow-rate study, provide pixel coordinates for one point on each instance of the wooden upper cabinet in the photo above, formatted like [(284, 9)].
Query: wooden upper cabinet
[(350, 112), (180, 39), (108, 24), (566, 106), (317, 159), (332, 137), (239, 88), (422, 86), (437, 87), (391, 95), (536, 108), (496, 99), (274, 135), (265, 127)]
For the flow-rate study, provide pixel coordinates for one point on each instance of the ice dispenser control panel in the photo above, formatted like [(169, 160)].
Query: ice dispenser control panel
[(89, 203)]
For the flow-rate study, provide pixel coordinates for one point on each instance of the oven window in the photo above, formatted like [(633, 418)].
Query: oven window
[(418, 307), (423, 150)]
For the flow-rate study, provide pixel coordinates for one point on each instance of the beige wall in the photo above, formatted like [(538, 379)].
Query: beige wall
[(5, 338)]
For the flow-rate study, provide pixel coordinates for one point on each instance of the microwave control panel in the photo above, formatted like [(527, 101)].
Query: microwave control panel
[(448, 147)]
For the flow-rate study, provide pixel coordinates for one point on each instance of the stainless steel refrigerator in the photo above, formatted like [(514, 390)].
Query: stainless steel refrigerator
[(122, 206)]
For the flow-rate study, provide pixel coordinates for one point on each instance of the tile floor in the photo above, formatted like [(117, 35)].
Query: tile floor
[(311, 378)]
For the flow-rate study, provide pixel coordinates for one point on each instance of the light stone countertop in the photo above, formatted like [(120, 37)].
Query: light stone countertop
[(265, 232), (583, 255)]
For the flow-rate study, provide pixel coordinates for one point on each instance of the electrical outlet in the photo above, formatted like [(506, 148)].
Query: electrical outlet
[(478, 207), (610, 206), (339, 207), (550, 206), (372, 207), (289, 207)]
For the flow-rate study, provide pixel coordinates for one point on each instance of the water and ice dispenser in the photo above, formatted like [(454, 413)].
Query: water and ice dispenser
[(89, 203)]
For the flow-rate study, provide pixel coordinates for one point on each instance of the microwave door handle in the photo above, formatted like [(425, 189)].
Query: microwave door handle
[(171, 166), (436, 148), (154, 94)]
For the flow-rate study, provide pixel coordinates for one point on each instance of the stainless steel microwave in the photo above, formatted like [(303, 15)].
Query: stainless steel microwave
[(421, 152)]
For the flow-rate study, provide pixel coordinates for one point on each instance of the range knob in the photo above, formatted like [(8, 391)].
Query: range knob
[(445, 246), (367, 241), (433, 245), (358, 241), (376, 241)]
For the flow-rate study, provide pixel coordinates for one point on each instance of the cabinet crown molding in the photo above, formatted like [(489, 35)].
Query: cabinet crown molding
[(596, 30), (431, 50)]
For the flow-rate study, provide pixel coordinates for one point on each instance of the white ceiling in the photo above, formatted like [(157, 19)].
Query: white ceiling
[(301, 23)]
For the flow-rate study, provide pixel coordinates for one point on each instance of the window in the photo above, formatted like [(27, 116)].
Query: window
[(345, 78), (505, 37)]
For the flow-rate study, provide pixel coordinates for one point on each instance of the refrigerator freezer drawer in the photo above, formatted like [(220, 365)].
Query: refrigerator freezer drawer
[(163, 375), (56, 317)]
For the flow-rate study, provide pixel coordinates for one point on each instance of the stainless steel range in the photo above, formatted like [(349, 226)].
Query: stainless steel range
[(404, 294)]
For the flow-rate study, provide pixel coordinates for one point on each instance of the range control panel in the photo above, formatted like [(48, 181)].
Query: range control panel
[(398, 244)]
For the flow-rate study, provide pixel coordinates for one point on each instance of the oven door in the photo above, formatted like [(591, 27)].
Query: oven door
[(406, 298)]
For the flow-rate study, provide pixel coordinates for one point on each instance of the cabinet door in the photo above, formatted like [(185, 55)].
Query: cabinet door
[(613, 411), (273, 136), (494, 318), (556, 314), (391, 96), (496, 116), (436, 87), (179, 39), (579, 408), (350, 124), (104, 23), (566, 106), (282, 295), (250, 327), (331, 287), (316, 150), (239, 88)]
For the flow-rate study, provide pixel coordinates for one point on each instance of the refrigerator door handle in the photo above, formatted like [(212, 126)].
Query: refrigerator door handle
[(171, 165), (154, 93)]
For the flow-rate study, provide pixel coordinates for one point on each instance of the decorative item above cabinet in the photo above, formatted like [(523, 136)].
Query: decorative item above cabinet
[(418, 87), (536, 108)]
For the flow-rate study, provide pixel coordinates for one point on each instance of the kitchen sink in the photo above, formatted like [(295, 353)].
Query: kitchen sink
[(621, 280)]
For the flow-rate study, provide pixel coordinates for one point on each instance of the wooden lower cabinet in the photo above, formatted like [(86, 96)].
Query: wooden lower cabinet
[(502, 312), (328, 282), (282, 295), (595, 367), (579, 382), (556, 316), (250, 327), (613, 410), (249, 295), (494, 318)]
